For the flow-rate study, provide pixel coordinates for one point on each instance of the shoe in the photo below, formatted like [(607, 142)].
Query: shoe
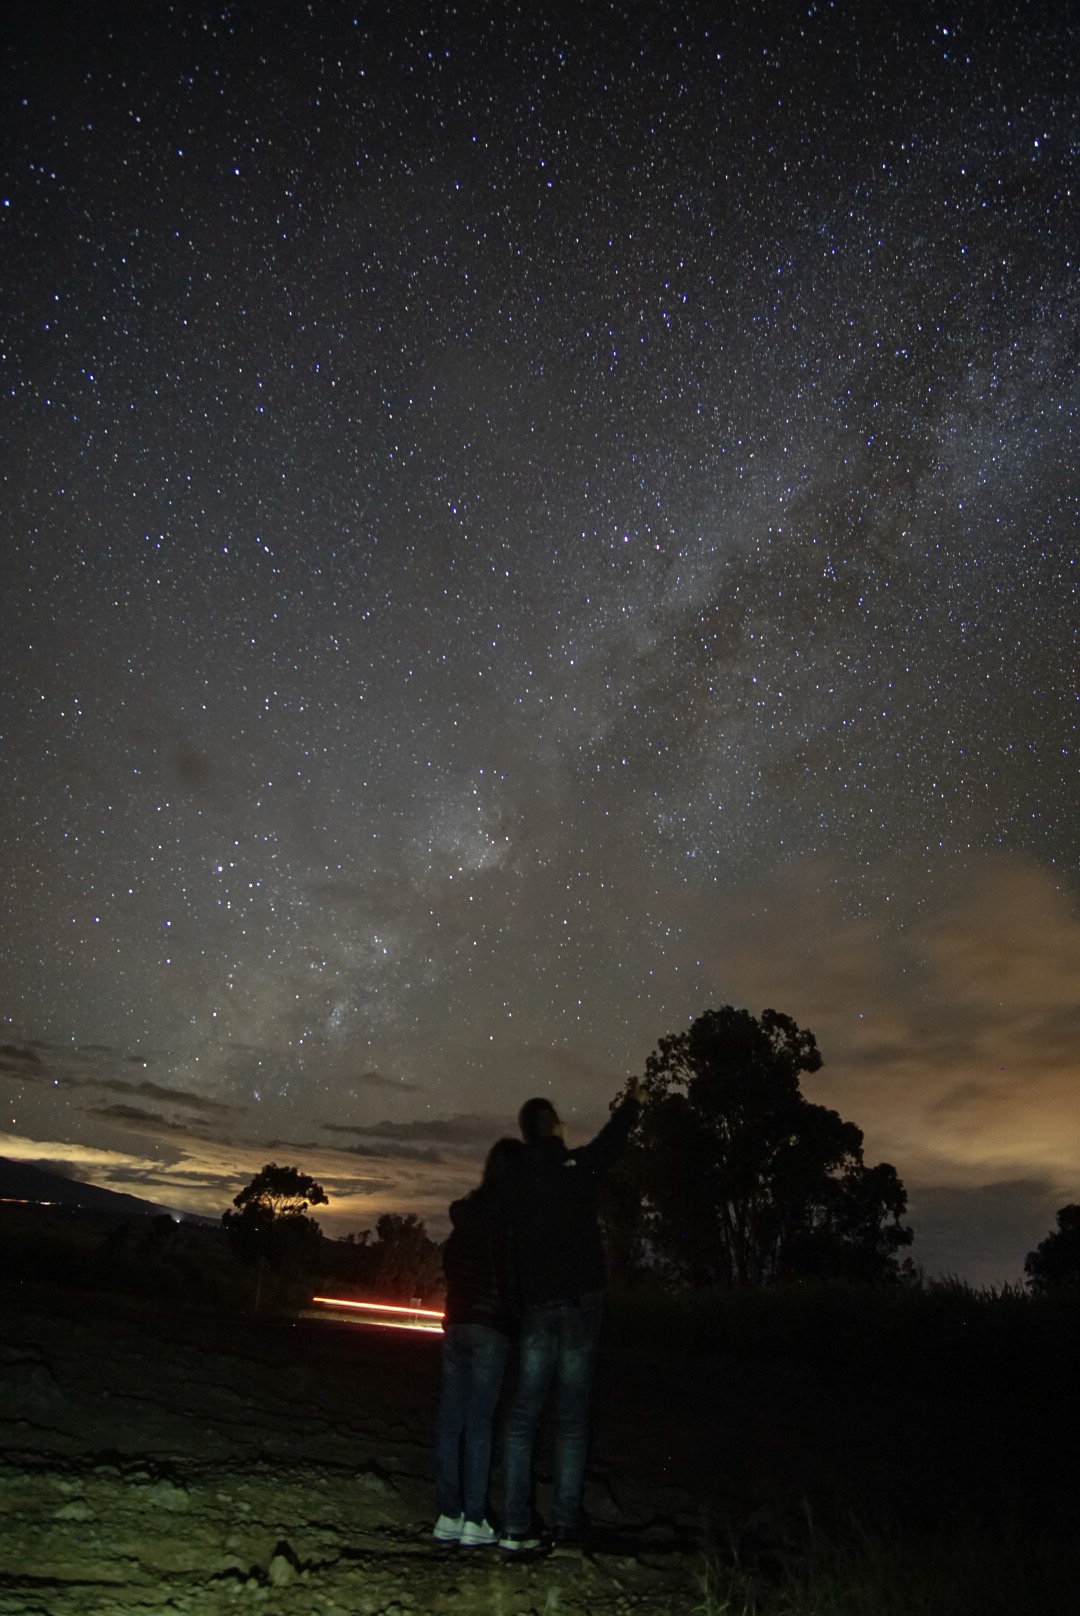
[(568, 1545), (448, 1528), (519, 1542), (476, 1533)]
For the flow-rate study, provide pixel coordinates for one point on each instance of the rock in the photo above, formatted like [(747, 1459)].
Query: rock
[(77, 1510), (167, 1494), (281, 1571)]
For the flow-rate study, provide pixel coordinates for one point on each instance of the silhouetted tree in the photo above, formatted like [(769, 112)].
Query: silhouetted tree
[(732, 1177), (284, 1192), (348, 1260), (271, 1222), (406, 1262), (1055, 1262)]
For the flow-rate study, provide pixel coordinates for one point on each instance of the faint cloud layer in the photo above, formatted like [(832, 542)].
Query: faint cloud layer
[(89, 1067), (951, 1041), (456, 1130), (376, 1080), (137, 1120)]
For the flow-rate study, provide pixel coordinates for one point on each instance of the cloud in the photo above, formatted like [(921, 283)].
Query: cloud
[(61, 1156), (1012, 944), (397, 1152), (137, 1120), (89, 1067), (380, 1148), (952, 1040), (19, 1061), (63, 1169), (203, 1175), (456, 1130), (376, 1080), (156, 1091)]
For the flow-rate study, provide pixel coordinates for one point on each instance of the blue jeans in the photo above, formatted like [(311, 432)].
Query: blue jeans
[(473, 1360), (558, 1342)]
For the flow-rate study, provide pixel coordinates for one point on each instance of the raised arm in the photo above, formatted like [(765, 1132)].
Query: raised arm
[(603, 1151)]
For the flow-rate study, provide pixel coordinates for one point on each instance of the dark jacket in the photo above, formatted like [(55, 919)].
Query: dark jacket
[(476, 1262), (558, 1253)]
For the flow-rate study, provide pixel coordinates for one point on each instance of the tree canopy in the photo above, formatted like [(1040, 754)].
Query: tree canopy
[(283, 1192), (733, 1177), (1055, 1262), (406, 1261), (271, 1219)]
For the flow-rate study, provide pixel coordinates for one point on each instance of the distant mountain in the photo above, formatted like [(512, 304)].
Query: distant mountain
[(20, 1181)]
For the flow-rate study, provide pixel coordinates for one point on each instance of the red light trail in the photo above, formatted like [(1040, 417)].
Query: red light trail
[(373, 1310)]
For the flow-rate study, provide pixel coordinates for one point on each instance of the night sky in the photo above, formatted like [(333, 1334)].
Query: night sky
[(521, 524)]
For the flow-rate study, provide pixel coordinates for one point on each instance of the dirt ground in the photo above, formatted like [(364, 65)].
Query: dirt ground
[(203, 1465), (195, 1463)]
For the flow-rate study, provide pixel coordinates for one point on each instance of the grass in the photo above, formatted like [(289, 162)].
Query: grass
[(936, 1336), (958, 1570), (940, 1422)]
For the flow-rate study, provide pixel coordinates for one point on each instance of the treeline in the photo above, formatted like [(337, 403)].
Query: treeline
[(202, 1265), (269, 1230), (732, 1181)]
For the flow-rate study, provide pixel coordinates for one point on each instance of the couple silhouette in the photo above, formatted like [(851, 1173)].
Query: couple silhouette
[(524, 1263)]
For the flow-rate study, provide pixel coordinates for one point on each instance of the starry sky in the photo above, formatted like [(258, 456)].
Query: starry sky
[(521, 524)]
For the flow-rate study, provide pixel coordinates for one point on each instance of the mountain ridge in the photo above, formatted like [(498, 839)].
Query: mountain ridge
[(23, 1181)]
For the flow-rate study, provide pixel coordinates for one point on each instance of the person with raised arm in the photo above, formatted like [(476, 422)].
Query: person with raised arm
[(561, 1275)]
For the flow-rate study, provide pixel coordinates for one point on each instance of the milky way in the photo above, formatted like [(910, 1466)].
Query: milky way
[(520, 527)]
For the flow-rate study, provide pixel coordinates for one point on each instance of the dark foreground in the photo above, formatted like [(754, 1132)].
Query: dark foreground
[(156, 1460)]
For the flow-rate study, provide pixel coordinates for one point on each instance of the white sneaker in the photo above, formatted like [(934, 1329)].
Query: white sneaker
[(475, 1533), (448, 1528), (520, 1542)]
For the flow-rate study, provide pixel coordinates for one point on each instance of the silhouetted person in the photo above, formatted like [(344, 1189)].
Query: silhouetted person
[(477, 1324), (561, 1274)]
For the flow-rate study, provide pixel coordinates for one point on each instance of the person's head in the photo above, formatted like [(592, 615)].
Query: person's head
[(538, 1119), (502, 1159)]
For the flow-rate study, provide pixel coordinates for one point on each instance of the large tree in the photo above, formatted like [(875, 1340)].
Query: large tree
[(281, 1192), (733, 1177), (1055, 1262)]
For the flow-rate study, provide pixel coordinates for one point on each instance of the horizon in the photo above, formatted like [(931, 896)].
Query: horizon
[(337, 1230)]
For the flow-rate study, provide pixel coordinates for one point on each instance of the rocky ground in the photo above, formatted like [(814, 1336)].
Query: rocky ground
[(156, 1462)]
